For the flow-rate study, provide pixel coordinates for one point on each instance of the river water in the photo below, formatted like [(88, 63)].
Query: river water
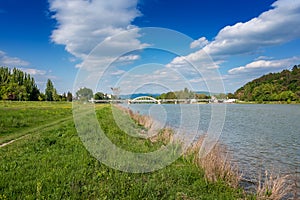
[(259, 136)]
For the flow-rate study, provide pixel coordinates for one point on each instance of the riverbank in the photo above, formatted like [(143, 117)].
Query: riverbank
[(267, 102), (52, 163), (257, 177), (218, 165)]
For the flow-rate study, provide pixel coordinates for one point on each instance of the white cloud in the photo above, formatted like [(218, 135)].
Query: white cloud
[(34, 72), (199, 67), (276, 26), (118, 72), (279, 25), (8, 61), (200, 43), (264, 58), (264, 65), (84, 24), (129, 58)]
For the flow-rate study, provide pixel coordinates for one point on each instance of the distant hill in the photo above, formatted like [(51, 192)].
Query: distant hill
[(203, 92), (282, 86)]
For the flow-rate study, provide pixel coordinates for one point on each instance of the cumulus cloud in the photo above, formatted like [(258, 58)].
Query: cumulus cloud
[(34, 72), (264, 58), (84, 24), (129, 58), (278, 25), (264, 65), (200, 43), (199, 67), (6, 60)]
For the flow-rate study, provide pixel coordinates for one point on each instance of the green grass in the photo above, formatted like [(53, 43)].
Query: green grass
[(20, 118), (52, 163)]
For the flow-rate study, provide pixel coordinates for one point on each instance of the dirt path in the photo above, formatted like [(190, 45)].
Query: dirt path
[(44, 127), (12, 141)]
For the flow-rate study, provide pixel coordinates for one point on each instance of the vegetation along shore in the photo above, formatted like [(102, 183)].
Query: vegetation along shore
[(51, 162)]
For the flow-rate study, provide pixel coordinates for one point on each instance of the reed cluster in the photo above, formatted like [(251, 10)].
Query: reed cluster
[(218, 163)]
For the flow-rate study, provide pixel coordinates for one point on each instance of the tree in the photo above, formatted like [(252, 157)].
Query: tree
[(17, 85), (69, 96), (99, 96), (282, 86), (171, 95), (41, 97), (55, 96), (202, 96), (84, 94), (230, 96), (49, 90)]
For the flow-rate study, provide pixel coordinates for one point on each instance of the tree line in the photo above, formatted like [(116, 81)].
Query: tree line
[(85, 94), (17, 85), (183, 94), (282, 86)]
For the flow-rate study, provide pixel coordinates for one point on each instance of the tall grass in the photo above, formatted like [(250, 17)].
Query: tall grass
[(275, 187), (218, 164), (143, 120)]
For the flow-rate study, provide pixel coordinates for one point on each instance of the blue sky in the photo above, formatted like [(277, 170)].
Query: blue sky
[(58, 39)]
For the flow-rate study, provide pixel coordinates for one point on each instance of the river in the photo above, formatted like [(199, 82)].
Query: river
[(260, 136)]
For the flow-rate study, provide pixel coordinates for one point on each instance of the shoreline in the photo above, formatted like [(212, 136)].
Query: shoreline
[(258, 186), (269, 102)]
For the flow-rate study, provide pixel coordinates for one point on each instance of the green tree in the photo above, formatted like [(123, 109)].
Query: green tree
[(17, 85), (231, 96), (202, 96), (84, 94), (99, 96), (69, 96), (55, 96), (283, 86), (41, 97), (50, 91), (171, 95)]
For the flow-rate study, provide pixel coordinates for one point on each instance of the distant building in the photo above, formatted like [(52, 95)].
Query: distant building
[(230, 101), (213, 99)]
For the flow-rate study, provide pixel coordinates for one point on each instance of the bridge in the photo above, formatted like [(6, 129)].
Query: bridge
[(151, 100), (144, 99)]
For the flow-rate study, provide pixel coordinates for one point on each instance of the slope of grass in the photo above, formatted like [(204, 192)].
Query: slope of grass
[(53, 164)]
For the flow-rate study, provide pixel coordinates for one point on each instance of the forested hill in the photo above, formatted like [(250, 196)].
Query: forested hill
[(17, 85), (283, 86)]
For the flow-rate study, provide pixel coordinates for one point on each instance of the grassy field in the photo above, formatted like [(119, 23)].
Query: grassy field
[(20, 118), (52, 163)]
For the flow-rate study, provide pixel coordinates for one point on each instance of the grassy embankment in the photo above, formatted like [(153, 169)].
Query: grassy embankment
[(51, 162)]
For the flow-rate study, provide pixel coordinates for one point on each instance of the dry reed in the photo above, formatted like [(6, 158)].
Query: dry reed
[(165, 135), (274, 187), (217, 164), (143, 120)]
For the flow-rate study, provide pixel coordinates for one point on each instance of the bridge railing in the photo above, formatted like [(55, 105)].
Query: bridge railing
[(145, 99)]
